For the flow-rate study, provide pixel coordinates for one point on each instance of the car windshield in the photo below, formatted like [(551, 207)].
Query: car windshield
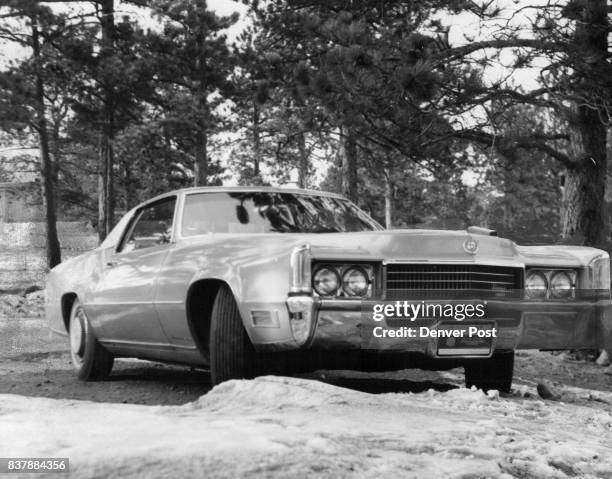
[(268, 212)]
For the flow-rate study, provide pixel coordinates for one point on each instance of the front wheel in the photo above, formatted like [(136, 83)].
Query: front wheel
[(493, 373), (232, 355), (90, 360)]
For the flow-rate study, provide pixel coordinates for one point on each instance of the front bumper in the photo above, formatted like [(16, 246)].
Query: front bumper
[(340, 324)]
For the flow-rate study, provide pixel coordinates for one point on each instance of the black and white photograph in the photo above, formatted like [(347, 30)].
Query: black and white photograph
[(305, 239)]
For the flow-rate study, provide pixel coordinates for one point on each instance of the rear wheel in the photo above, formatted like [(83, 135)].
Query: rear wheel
[(493, 373), (232, 355), (90, 360)]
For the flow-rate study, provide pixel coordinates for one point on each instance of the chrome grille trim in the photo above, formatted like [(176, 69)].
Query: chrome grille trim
[(403, 279)]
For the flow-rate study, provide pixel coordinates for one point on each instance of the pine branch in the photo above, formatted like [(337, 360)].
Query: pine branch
[(506, 145), (497, 44)]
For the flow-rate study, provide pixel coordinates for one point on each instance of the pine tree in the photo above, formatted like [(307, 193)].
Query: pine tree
[(366, 65), (572, 39), (193, 65)]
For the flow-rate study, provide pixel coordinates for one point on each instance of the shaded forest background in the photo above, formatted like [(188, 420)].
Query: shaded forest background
[(374, 99)]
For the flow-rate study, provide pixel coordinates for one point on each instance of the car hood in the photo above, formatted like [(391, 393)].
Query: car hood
[(387, 245), (406, 245), (445, 245), (400, 245)]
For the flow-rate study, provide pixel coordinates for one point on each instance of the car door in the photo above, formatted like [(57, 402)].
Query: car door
[(124, 298)]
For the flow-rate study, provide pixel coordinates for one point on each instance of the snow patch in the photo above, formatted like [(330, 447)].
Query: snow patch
[(297, 427)]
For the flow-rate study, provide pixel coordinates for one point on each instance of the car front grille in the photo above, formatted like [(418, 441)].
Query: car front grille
[(452, 281)]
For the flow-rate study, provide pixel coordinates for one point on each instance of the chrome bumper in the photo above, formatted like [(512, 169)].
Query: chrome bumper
[(520, 325)]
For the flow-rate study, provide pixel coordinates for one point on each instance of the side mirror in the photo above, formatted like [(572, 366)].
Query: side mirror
[(129, 246)]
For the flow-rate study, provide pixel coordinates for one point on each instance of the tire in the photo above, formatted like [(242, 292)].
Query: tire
[(90, 360), (232, 355), (493, 373)]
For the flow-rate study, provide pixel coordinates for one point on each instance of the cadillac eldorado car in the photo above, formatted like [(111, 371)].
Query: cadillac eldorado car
[(250, 281)]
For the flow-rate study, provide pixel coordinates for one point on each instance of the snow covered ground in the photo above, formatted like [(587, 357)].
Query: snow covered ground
[(289, 427)]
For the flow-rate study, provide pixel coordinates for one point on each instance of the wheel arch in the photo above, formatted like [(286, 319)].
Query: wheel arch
[(67, 301), (198, 307)]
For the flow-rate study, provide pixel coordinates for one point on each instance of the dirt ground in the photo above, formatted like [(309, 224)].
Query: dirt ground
[(35, 362)]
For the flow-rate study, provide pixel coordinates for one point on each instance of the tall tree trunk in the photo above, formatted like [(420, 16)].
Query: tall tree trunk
[(55, 155), (106, 193), (583, 216), (106, 190), (303, 161), (130, 195), (48, 185), (388, 199), (200, 167), (349, 164), (256, 139)]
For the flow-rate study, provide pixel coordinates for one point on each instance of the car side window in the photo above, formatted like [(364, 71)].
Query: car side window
[(152, 226)]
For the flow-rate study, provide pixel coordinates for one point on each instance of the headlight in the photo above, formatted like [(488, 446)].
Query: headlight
[(550, 284), (343, 281), (536, 285), (326, 281), (355, 282), (560, 285)]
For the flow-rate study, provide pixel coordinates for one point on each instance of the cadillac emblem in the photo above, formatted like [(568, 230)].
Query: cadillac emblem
[(470, 245)]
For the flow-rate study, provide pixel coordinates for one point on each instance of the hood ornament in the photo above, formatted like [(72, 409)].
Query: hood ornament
[(470, 245)]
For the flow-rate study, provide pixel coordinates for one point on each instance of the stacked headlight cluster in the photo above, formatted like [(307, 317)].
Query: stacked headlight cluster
[(342, 280), (550, 284)]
